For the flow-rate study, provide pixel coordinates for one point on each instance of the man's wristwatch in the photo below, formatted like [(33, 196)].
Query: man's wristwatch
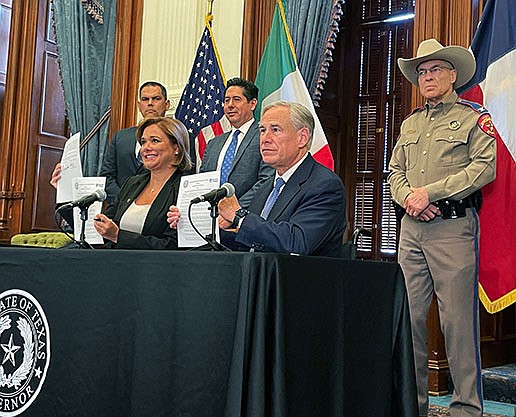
[(239, 215)]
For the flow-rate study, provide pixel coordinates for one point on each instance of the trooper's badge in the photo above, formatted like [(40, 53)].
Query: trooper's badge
[(454, 125), (24, 351)]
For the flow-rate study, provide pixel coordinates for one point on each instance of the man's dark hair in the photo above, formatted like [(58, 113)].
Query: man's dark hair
[(154, 84), (249, 89)]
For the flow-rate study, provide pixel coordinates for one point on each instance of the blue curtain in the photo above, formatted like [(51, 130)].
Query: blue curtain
[(85, 48), (314, 25)]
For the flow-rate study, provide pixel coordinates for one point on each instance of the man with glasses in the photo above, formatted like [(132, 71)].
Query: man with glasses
[(444, 155)]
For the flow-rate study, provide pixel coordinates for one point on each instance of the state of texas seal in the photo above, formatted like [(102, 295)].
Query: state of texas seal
[(24, 351)]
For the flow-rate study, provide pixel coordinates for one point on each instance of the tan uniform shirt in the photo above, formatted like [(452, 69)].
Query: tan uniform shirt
[(449, 149)]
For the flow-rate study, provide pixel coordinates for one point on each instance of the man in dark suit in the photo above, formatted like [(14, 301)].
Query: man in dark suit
[(301, 209), (121, 157), (237, 153)]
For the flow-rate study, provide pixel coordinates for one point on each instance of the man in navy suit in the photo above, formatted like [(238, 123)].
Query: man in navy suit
[(121, 157), (240, 164), (301, 209)]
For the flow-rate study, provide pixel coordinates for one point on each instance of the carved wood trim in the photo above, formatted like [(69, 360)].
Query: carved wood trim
[(126, 64), (14, 130), (255, 31)]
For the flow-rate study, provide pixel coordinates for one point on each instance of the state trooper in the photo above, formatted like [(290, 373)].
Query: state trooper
[(444, 155)]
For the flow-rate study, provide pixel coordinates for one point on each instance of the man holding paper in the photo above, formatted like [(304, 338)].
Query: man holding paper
[(301, 209)]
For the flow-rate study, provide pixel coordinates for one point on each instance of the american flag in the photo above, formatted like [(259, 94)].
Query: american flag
[(201, 104)]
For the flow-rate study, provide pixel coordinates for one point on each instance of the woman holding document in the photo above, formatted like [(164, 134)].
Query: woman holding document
[(137, 219)]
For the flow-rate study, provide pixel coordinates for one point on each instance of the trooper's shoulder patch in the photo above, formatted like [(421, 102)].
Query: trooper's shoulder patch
[(485, 123)]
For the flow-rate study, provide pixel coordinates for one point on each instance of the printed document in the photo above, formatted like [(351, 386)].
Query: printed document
[(194, 186), (82, 186), (70, 168)]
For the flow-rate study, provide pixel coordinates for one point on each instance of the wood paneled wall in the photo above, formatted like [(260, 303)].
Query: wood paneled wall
[(126, 64), (257, 23), (450, 22), (14, 129), (33, 125)]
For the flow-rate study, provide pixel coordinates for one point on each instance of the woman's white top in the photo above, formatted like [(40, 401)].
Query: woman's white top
[(134, 217)]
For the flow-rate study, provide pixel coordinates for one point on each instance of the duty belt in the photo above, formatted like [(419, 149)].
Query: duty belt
[(452, 209)]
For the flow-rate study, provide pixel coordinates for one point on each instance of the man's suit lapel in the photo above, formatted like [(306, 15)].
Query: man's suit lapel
[(217, 149), (261, 195), (130, 148), (292, 188), (128, 198), (159, 206), (248, 138)]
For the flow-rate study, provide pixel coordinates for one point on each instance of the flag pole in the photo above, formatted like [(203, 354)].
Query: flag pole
[(209, 15)]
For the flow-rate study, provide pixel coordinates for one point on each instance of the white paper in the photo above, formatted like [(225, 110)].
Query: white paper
[(82, 186), (70, 168), (194, 186)]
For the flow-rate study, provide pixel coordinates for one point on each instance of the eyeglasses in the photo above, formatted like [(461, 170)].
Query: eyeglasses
[(436, 69)]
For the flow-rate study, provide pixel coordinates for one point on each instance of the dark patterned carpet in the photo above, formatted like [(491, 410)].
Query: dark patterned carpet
[(500, 383), (437, 411)]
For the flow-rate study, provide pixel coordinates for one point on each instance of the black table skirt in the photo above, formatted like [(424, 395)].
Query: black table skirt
[(163, 333)]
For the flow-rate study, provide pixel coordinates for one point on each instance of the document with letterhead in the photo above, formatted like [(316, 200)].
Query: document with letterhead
[(81, 187), (193, 186), (70, 168)]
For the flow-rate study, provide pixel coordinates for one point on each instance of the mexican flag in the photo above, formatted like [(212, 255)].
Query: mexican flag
[(279, 78)]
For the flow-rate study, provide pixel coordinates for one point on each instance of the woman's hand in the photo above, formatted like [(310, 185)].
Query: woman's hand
[(173, 216), (56, 175), (106, 227)]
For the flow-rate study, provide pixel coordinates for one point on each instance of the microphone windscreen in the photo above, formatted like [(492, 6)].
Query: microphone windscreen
[(101, 194), (230, 189)]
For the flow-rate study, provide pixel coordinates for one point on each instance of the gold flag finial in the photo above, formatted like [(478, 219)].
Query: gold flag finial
[(210, 6)]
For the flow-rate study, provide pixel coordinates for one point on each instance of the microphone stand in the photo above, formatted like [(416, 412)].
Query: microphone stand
[(214, 214), (82, 238), (211, 243)]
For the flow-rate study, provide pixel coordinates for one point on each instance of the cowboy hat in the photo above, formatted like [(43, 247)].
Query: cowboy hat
[(461, 59)]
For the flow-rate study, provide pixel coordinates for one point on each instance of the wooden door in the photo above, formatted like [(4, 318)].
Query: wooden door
[(33, 125), (48, 128), (5, 29)]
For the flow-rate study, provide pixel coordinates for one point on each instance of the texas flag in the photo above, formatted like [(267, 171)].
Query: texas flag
[(494, 86), (279, 78)]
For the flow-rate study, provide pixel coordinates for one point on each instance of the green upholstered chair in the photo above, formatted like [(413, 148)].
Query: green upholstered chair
[(43, 239)]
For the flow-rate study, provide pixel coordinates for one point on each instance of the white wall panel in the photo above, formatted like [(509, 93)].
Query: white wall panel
[(171, 33)]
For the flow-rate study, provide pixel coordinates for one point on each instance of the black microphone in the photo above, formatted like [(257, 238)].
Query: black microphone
[(214, 196), (85, 201)]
